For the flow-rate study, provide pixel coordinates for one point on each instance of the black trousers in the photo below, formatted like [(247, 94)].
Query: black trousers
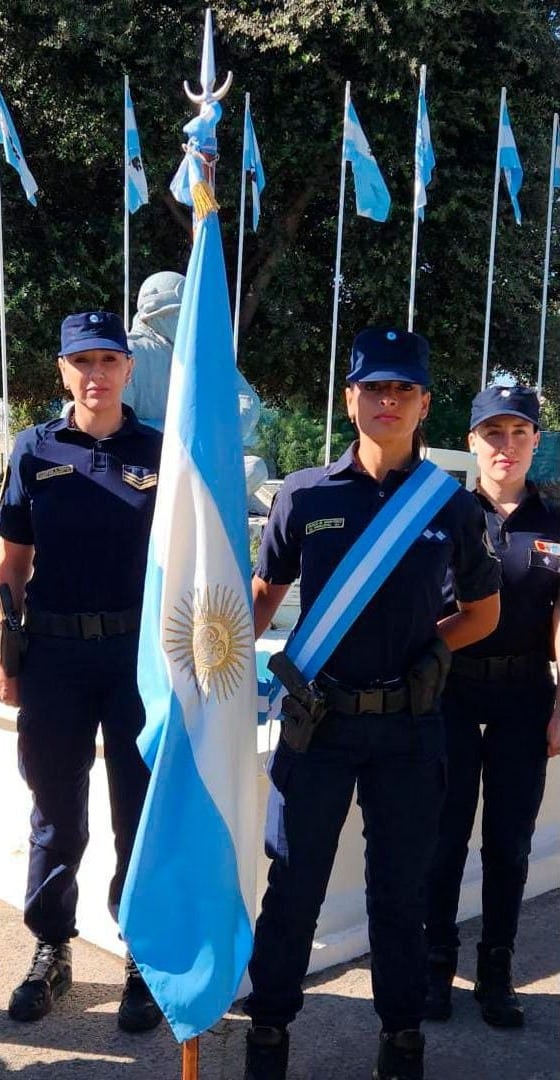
[(398, 765), (68, 688), (510, 755)]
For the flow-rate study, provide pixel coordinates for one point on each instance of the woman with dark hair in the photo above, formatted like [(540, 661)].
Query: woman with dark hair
[(372, 551)]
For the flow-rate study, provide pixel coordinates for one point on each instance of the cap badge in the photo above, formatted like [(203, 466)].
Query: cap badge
[(94, 318), (391, 336), (505, 393)]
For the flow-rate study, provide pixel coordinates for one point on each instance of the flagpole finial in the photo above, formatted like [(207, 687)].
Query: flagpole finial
[(208, 70)]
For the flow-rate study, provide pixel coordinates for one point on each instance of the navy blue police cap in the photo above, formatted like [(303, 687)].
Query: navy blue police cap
[(92, 330), (505, 401), (383, 353)]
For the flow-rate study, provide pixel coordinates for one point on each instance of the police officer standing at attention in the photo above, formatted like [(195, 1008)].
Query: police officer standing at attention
[(75, 519), (504, 683), (373, 707)]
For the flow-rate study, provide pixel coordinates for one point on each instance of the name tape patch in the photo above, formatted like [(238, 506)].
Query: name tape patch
[(324, 523), (58, 470)]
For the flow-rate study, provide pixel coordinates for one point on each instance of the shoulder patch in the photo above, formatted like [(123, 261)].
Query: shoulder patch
[(58, 470), (138, 477), (324, 523), (546, 547)]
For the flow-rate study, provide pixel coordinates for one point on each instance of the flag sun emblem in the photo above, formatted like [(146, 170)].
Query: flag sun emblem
[(210, 636)]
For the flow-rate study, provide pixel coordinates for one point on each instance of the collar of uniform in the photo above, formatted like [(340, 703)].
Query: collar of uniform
[(533, 498), (131, 425), (348, 463)]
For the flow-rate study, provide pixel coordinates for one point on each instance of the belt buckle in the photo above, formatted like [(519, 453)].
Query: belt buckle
[(91, 624), (371, 700)]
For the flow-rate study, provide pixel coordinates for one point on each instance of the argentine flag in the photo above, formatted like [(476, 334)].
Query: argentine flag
[(424, 158), (135, 176), (187, 907), (14, 153), (252, 164), (372, 196), (510, 162)]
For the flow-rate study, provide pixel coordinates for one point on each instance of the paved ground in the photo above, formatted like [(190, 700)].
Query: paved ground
[(334, 1039)]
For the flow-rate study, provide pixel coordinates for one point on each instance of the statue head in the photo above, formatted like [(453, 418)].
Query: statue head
[(159, 303)]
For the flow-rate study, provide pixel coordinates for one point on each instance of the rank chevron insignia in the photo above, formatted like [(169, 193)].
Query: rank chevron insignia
[(139, 478)]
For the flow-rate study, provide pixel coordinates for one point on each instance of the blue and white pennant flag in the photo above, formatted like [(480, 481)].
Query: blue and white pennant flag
[(372, 195), (510, 162), (137, 186), (14, 153), (424, 158), (556, 173), (188, 903), (252, 164)]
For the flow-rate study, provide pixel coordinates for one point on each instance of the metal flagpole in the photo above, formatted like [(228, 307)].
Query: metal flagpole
[(547, 252), (415, 218), (328, 433), (126, 314), (492, 248), (241, 234), (3, 349)]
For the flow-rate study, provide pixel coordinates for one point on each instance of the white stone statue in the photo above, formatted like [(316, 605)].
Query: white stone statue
[(151, 342)]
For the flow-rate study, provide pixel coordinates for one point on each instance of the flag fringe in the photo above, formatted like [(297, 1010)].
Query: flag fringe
[(203, 199)]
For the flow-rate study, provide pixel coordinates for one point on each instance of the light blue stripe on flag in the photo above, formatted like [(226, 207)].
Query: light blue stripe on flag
[(14, 153), (372, 195), (510, 162), (187, 906), (424, 161), (135, 175), (252, 164)]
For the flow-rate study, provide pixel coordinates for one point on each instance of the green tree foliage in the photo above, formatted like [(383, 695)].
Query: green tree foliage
[(61, 71), (290, 439)]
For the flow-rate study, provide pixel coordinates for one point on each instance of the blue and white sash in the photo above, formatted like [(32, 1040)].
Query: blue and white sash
[(362, 572)]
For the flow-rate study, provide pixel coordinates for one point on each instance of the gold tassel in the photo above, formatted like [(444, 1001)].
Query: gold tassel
[(203, 199)]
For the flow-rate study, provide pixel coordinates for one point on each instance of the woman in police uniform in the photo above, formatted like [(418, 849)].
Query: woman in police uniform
[(369, 735), (504, 683), (75, 519)]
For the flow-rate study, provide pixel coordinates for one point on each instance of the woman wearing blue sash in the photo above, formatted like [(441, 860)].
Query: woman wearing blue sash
[(505, 684), (376, 695)]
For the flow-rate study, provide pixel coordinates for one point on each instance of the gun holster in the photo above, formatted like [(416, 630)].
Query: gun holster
[(13, 642), (426, 678), (304, 706)]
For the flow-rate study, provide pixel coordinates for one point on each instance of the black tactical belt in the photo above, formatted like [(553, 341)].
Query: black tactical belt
[(83, 624), (499, 667), (380, 699)]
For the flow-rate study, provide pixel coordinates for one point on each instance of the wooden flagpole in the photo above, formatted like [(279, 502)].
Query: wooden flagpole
[(190, 1059)]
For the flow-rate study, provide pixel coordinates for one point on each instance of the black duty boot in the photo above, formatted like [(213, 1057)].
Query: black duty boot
[(401, 1056), (267, 1053), (48, 978), (137, 1011), (493, 989), (442, 965)]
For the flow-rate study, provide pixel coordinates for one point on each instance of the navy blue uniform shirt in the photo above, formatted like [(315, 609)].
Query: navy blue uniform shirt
[(86, 505), (527, 544), (318, 515)]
